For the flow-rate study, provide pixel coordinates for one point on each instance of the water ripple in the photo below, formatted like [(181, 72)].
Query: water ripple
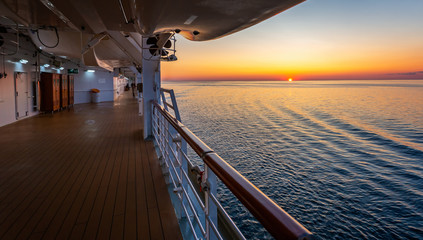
[(344, 158)]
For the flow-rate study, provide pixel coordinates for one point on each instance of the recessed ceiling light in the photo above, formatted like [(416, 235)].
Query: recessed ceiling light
[(190, 20)]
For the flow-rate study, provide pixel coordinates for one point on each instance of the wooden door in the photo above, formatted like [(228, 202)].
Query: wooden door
[(47, 92), (71, 89), (64, 91), (56, 88)]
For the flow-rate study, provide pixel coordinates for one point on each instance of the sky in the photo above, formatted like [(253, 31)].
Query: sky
[(318, 39)]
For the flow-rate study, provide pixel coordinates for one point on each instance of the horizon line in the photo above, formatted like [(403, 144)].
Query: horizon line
[(283, 80)]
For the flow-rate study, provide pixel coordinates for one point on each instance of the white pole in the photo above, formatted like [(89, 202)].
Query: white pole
[(138, 79), (151, 86)]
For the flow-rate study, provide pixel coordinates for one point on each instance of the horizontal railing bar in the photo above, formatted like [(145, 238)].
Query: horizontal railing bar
[(277, 222), (179, 178), (227, 218), (194, 211), (196, 144), (170, 105), (190, 222), (175, 185), (173, 153), (191, 165), (216, 232), (193, 190)]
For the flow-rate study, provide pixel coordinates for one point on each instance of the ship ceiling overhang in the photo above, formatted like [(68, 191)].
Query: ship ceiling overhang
[(124, 21)]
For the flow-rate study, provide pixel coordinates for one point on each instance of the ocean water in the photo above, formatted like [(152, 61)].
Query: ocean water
[(345, 158)]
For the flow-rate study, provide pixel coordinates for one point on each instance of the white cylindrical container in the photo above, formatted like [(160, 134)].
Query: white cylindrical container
[(95, 97)]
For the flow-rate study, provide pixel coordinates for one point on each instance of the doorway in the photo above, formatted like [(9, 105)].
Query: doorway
[(21, 95)]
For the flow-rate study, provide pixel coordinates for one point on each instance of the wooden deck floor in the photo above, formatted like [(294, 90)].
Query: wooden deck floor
[(86, 173)]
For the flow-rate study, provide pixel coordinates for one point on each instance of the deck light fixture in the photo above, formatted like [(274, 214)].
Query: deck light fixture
[(90, 70), (23, 61), (46, 65)]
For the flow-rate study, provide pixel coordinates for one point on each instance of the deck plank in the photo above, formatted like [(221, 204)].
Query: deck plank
[(44, 202), (70, 221), (17, 183), (83, 174), (30, 198), (64, 187), (107, 214), (117, 231), (153, 211), (166, 209), (143, 228), (104, 184), (130, 231), (73, 193)]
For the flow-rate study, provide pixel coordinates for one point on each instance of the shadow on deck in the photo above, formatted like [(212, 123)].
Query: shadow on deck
[(86, 173)]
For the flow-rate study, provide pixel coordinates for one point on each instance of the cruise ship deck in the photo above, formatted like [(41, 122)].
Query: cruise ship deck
[(84, 173)]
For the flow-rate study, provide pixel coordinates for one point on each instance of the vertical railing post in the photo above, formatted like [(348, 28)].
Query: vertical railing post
[(183, 168), (176, 139), (159, 128), (165, 149), (165, 140), (164, 145), (164, 100), (159, 136), (211, 208), (182, 165), (175, 105)]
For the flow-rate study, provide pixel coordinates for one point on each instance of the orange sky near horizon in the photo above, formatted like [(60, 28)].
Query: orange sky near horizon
[(335, 39)]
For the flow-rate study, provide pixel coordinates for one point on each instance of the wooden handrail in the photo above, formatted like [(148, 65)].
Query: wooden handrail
[(276, 221)]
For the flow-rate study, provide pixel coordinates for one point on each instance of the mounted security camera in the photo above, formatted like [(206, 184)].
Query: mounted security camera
[(173, 57)]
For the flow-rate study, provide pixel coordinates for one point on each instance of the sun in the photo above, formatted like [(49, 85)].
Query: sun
[(290, 79)]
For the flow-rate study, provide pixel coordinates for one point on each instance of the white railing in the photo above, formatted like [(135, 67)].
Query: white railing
[(194, 189)]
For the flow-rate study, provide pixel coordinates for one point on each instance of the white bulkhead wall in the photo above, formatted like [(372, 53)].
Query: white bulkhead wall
[(12, 64), (100, 79)]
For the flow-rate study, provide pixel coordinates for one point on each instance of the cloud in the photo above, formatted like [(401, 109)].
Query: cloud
[(407, 73)]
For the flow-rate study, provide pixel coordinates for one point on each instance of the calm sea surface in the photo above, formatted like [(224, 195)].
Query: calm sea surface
[(345, 158)]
